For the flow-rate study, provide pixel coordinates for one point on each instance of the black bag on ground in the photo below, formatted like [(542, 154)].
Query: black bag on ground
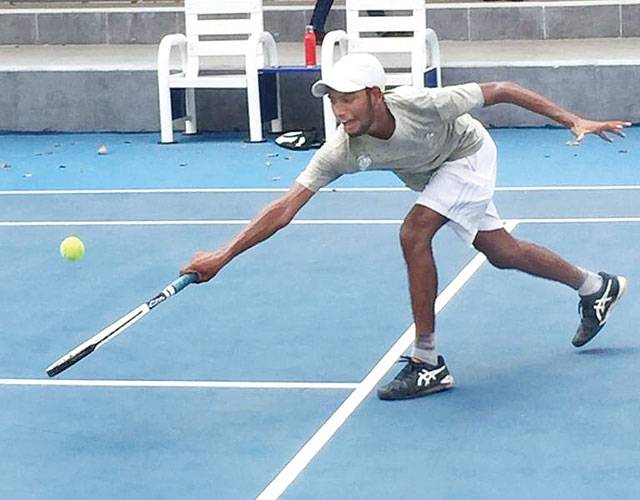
[(300, 139)]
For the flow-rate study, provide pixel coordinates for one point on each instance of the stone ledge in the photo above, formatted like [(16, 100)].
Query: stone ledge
[(508, 53)]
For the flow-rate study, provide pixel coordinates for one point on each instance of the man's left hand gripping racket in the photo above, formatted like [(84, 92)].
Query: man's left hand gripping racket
[(105, 335)]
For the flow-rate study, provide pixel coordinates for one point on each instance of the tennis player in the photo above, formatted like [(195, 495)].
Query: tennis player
[(428, 139)]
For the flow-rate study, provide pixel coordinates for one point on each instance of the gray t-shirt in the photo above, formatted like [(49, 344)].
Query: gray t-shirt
[(432, 126)]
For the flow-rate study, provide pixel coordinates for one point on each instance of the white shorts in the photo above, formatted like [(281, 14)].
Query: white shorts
[(462, 191)]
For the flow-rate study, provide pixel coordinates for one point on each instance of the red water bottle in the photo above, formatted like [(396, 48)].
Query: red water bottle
[(309, 46)]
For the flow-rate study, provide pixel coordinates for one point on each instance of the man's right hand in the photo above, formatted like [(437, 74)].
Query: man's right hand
[(205, 264)]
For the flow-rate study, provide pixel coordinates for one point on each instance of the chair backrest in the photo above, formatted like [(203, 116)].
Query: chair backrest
[(220, 27), (401, 30)]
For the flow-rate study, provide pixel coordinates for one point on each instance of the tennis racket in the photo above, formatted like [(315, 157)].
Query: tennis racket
[(114, 329)]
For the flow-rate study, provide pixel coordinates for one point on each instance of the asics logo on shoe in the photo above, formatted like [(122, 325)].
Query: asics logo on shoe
[(425, 376), (600, 305)]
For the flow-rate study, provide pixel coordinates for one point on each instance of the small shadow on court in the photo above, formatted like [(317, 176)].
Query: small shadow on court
[(609, 351), (483, 393)]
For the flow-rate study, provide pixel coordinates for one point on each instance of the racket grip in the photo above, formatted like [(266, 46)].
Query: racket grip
[(184, 280)]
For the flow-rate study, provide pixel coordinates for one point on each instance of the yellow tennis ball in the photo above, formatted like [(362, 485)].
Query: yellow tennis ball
[(72, 248)]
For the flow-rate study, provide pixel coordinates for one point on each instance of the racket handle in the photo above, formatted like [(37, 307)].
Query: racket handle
[(184, 280)]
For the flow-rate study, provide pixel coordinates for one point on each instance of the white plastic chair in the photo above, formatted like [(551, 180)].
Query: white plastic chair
[(217, 28), (364, 35)]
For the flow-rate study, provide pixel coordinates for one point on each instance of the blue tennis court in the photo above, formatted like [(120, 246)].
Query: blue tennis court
[(261, 383)]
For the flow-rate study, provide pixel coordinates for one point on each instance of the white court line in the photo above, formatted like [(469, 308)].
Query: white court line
[(283, 190), (299, 222), (573, 220), (229, 222), (298, 463), (568, 188), (124, 223), (140, 191), (182, 384)]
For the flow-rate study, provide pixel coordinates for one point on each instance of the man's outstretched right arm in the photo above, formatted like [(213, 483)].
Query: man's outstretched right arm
[(272, 218), (510, 92)]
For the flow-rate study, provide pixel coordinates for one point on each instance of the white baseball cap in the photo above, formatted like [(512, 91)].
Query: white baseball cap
[(353, 72)]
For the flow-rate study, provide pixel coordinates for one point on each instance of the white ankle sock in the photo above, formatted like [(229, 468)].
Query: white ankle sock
[(424, 348), (592, 283), (426, 355)]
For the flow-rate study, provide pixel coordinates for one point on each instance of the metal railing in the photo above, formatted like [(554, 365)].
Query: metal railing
[(180, 3), (44, 4), (87, 3)]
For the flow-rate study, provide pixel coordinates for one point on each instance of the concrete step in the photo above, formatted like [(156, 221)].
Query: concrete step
[(113, 87), (138, 57)]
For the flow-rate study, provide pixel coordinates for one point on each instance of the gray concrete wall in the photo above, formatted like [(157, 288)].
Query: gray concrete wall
[(78, 100), (598, 92), (473, 21), (115, 100), (127, 100)]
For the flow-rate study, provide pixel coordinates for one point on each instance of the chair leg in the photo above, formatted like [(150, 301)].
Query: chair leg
[(253, 105), (191, 121), (276, 124), (166, 121)]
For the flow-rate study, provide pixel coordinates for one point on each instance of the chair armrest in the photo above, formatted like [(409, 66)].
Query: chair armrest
[(164, 51), (433, 47), (331, 39), (433, 53), (266, 40)]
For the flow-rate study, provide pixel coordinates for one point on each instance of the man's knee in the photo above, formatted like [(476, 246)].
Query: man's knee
[(410, 236), (501, 249), (419, 227), (500, 260)]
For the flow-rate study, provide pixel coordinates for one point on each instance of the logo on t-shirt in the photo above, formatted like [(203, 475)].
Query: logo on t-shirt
[(364, 161)]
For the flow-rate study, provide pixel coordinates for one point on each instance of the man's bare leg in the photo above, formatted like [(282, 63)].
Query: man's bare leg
[(416, 234), (426, 371), (506, 252), (599, 293)]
